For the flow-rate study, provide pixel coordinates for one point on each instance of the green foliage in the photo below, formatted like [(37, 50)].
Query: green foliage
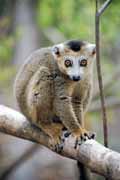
[(7, 41), (110, 22), (73, 18), (76, 18), (6, 50), (6, 74)]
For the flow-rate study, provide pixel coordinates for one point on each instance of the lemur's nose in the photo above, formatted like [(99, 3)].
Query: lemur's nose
[(76, 78)]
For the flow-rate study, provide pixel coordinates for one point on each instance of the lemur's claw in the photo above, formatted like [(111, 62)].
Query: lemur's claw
[(85, 136), (59, 147), (92, 135)]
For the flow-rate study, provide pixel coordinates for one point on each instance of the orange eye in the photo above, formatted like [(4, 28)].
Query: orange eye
[(68, 63), (83, 63)]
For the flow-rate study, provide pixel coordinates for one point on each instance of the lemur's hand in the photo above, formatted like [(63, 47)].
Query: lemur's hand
[(82, 135)]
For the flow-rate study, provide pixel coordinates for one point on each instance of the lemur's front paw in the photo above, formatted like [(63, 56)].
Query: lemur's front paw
[(82, 135), (87, 135)]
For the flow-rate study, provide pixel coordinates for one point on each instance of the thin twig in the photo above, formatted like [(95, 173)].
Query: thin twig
[(97, 37), (103, 7)]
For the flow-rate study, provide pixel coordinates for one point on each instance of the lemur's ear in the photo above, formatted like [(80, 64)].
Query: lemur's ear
[(92, 49), (57, 50)]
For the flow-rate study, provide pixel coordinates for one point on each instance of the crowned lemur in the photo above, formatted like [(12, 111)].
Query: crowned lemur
[(53, 88)]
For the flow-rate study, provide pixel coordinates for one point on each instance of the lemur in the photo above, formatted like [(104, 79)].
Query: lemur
[(55, 84)]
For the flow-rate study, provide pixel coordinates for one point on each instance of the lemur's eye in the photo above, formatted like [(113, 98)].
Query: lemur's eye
[(68, 63), (83, 63)]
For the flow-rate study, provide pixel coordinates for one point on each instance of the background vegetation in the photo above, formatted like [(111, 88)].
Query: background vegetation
[(7, 41), (71, 19), (76, 19)]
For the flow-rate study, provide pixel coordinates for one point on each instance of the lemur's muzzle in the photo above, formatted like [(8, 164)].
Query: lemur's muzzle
[(76, 78)]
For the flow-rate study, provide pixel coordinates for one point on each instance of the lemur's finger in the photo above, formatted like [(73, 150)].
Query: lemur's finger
[(92, 135), (59, 147)]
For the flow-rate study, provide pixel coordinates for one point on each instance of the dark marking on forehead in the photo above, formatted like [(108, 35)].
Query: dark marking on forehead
[(75, 45)]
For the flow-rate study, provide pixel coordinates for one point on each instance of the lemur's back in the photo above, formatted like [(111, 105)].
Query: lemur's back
[(37, 59)]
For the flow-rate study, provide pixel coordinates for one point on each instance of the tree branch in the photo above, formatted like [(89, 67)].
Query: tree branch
[(103, 7), (99, 73), (94, 155)]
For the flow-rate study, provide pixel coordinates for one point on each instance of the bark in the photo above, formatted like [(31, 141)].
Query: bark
[(91, 153)]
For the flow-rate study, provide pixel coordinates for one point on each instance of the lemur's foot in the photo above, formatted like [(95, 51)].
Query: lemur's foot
[(57, 142), (65, 134), (59, 147), (82, 135)]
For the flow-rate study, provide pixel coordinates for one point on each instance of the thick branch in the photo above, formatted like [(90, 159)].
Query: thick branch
[(14, 123), (94, 155)]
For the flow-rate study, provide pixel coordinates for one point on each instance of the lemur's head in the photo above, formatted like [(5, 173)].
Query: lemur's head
[(74, 58)]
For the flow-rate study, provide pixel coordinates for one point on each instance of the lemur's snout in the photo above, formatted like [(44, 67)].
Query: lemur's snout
[(76, 78)]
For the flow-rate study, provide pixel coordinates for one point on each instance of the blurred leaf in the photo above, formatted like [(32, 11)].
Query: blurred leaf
[(6, 75)]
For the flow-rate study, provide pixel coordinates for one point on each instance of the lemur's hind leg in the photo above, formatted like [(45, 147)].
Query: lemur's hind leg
[(40, 100)]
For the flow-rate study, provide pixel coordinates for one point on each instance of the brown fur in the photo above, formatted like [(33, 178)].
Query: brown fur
[(43, 91)]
